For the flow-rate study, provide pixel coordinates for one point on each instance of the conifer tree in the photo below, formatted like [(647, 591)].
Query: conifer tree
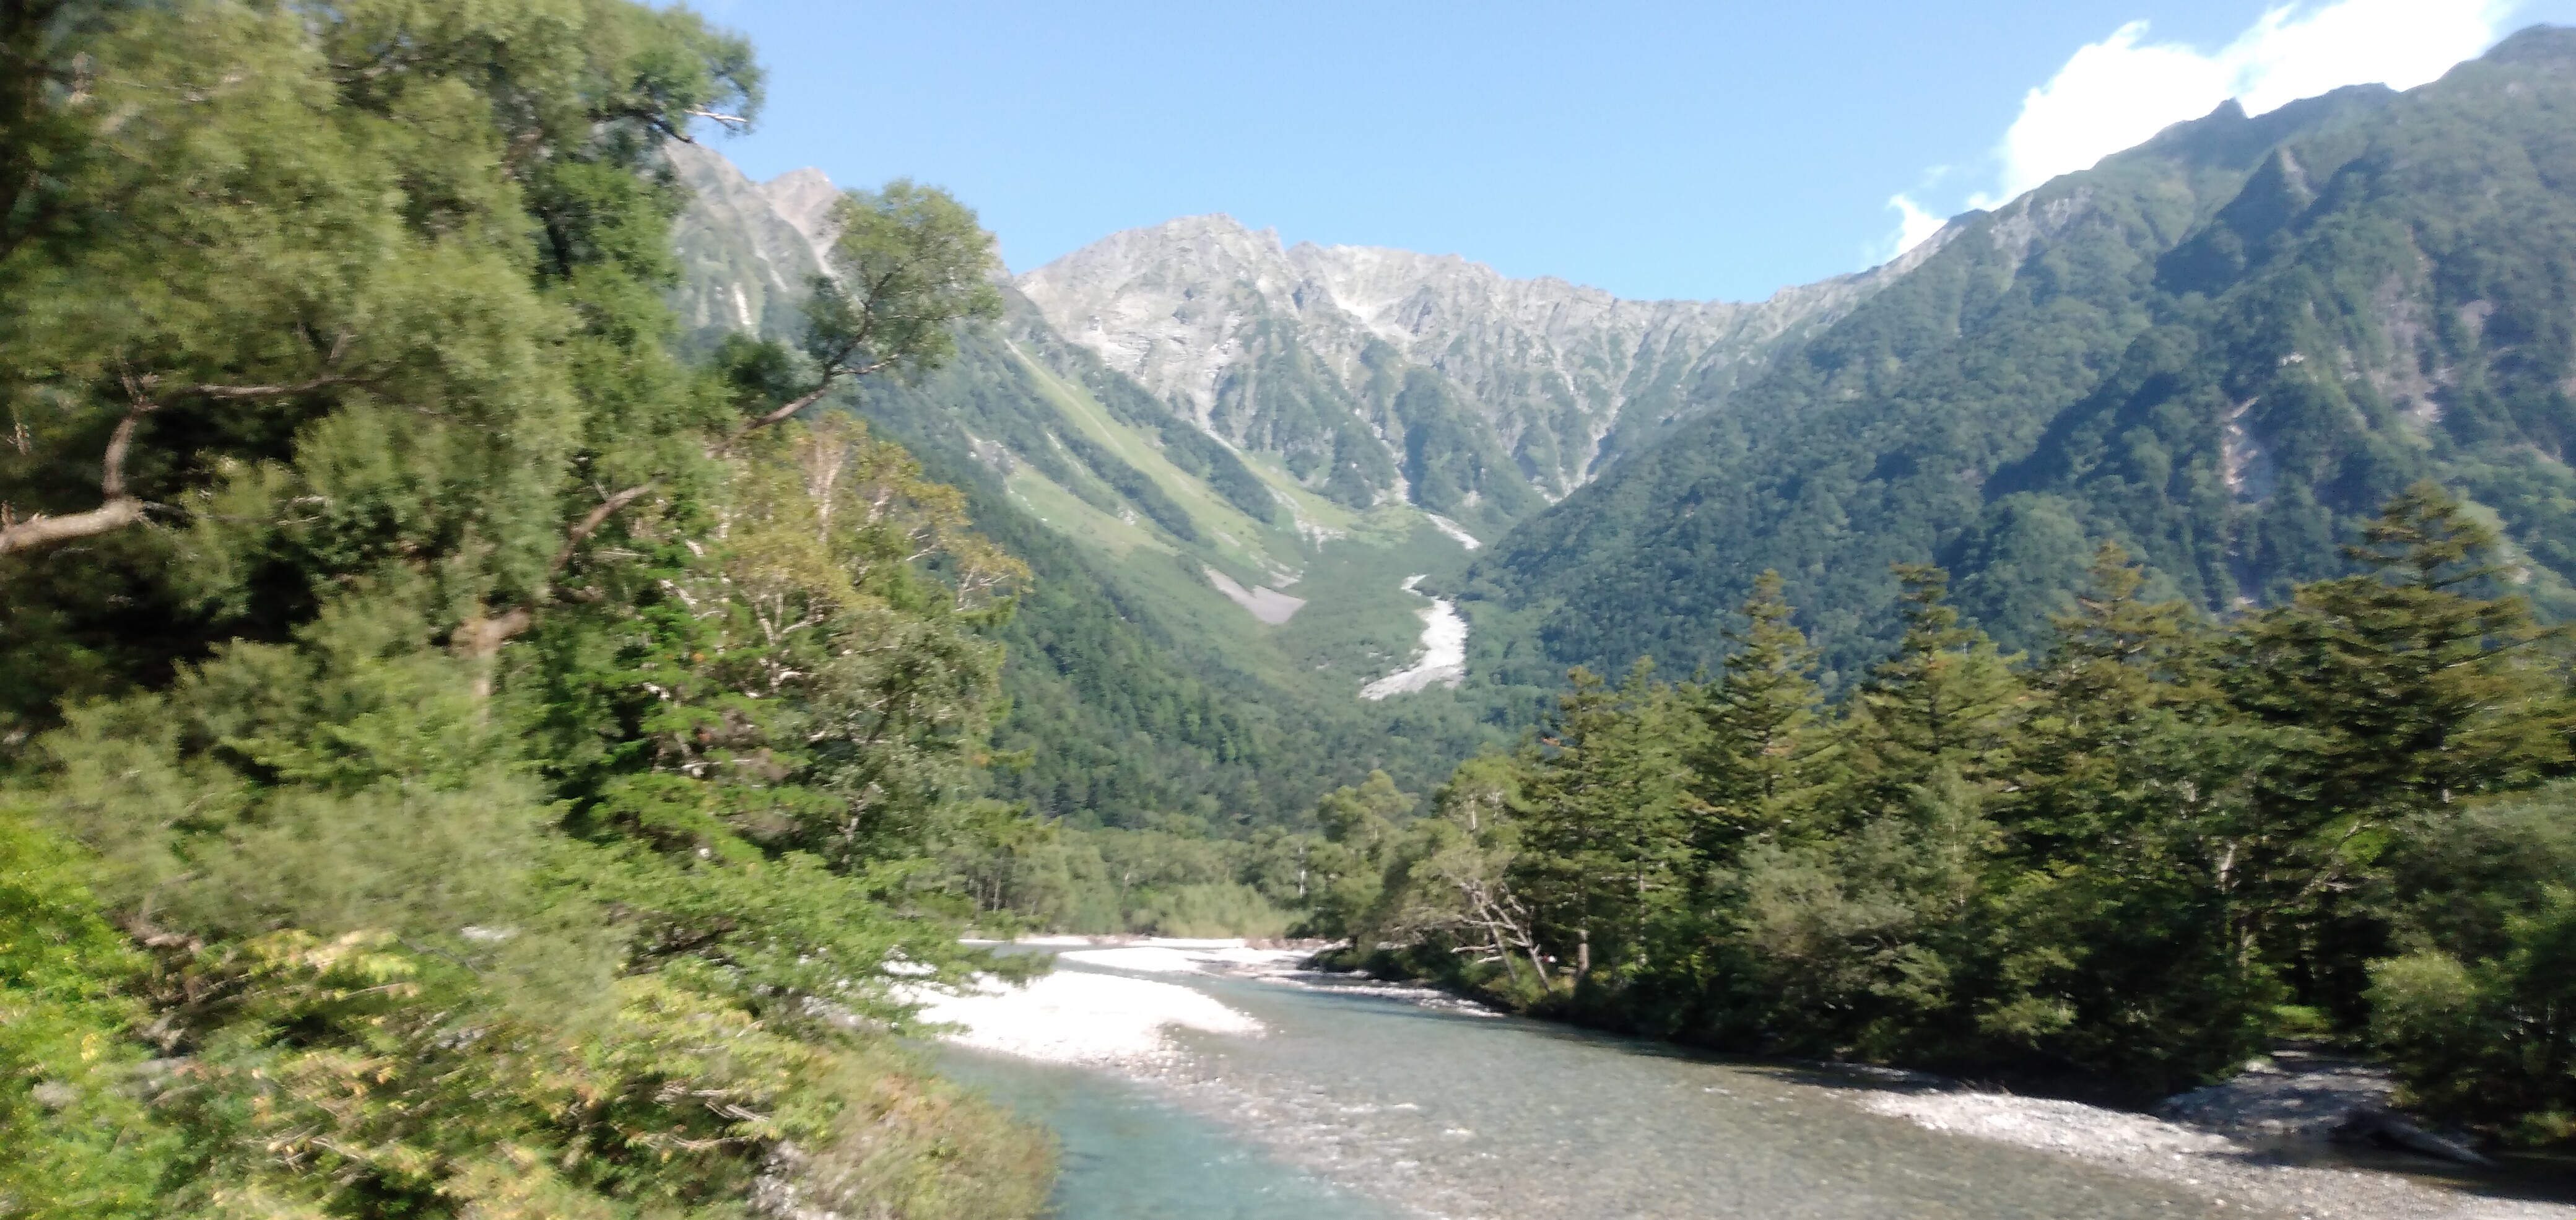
[(1759, 765), (1602, 814), (1946, 698), (2388, 698), (2123, 813), (2124, 678), (2400, 691)]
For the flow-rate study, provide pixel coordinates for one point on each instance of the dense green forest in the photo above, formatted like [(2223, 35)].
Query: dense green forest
[(2223, 348), (1137, 695), (1125, 709), (477, 742), (458, 757), (2122, 866)]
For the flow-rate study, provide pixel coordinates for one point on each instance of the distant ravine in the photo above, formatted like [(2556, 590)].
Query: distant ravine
[(1444, 652)]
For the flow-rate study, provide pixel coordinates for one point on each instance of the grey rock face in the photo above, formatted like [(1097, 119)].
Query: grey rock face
[(1557, 377), (749, 247), (1368, 374)]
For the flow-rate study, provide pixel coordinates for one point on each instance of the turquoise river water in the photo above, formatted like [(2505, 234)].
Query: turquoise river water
[(1358, 1106)]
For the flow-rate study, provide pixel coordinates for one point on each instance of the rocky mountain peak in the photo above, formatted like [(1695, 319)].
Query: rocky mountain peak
[(804, 198), (1370, 374), (1558, 376)]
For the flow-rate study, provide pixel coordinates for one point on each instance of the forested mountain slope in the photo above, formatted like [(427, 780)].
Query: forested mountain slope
[(2223, 348), (1145, 682), (1187, 414)]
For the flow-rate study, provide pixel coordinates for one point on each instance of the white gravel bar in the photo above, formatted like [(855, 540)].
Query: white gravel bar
[(1080, 1017), (2153, 1148)]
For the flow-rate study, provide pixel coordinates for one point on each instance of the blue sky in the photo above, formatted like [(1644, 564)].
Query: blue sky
[(1717, 150)]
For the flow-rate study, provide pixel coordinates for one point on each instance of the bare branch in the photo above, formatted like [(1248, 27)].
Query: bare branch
[(597, 517), (483, 636), (339, 348), (264, 391), (793, 405), (831, 378), (117, 510), (39, 531), (111, 479), (729, 120)]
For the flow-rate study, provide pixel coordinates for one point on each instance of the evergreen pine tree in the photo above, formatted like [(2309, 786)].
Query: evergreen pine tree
[(1601, 814), (1760, 763), (2388, 698), (2124, 675), (1946, 698), (2399, 691)]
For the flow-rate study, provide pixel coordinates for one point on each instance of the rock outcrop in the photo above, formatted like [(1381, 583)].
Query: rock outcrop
[(1313, 351), (1369, 374), (749, 247)]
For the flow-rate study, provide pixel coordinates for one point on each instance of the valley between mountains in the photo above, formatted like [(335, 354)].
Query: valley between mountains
[(2223, 348), (548, 678)]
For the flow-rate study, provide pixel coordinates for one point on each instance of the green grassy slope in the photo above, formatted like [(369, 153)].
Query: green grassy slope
[(1142, 693)]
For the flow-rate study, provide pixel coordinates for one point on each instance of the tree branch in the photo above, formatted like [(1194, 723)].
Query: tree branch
[(264, 391), (339, 348), (792, 406), (482, 637), (809, 398), (117, 510), (39, 531), (590, 523)]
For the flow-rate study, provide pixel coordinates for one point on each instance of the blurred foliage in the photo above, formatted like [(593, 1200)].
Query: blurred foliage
[(460, 757)]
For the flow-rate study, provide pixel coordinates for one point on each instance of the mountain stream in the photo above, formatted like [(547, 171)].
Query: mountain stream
[(1321, 1099)]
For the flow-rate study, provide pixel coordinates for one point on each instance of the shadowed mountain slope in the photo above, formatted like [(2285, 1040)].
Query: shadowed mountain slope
[(2223, 348)]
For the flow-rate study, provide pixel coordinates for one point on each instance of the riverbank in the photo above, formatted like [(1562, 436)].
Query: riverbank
[(2303, 1109), (1184, 1019), (2246, 1175)]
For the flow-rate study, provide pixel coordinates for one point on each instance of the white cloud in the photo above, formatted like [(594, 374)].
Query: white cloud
[(2117, 92), (1913, 226)]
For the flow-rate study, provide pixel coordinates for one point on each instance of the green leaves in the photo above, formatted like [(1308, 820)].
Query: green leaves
[(75, 1142), (2129, 865), (341, 366), (906, 263)]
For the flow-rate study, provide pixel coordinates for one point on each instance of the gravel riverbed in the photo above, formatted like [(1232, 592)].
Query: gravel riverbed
[(2241, 1174)]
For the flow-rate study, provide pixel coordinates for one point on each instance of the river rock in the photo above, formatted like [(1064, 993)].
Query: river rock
[(2299, 1096)]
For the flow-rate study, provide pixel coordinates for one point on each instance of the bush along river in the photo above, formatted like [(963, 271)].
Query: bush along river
[(1204, 1081)]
